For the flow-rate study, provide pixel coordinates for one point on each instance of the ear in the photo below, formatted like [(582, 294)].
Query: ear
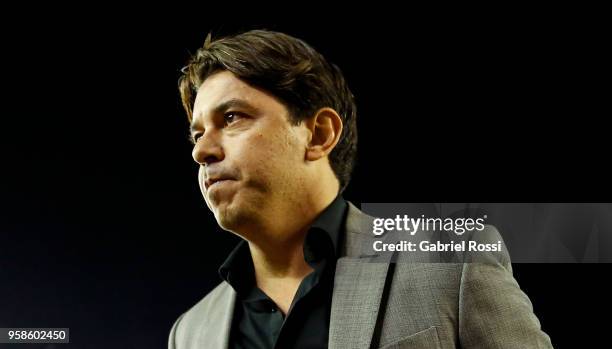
[(325, 128)]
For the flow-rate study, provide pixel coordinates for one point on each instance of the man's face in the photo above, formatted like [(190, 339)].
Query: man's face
[(252, 160)]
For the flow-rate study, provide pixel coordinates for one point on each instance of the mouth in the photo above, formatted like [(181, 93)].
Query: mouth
[(213, 181)]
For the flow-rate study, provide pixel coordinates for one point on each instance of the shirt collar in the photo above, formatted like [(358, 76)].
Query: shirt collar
[(331, 220)]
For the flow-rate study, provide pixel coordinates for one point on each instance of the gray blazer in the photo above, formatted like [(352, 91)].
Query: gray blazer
[(408, 305)]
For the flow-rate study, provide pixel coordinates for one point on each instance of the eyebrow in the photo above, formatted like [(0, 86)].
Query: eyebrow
[(225, 106)]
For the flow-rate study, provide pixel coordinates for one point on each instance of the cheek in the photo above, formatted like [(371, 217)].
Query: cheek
[(258, 155), (269, 156)]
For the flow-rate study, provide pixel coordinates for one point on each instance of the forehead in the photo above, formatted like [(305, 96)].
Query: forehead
[(225, 86)]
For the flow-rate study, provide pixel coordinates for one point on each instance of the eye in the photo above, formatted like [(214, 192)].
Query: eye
[(231, 117)]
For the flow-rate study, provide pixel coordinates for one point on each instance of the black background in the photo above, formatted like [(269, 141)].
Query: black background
[(103, 228)]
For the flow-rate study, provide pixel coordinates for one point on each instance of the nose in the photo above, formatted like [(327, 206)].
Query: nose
[(208, 149)]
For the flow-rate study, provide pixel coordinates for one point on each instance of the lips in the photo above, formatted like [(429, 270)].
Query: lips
[(210, 181)]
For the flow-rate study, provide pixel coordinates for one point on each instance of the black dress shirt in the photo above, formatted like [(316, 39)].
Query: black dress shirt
[(257, 321)]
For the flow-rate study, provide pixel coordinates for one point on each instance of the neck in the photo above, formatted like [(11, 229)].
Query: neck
[(279, 253)]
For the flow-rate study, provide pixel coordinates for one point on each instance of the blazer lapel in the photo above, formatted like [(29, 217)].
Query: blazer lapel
[(225, 324), (214, 331), (358, 288)]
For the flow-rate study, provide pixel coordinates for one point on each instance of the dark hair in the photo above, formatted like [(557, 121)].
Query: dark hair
[(287, 67)]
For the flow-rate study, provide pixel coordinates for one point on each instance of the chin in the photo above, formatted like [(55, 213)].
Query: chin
[(232, 216)]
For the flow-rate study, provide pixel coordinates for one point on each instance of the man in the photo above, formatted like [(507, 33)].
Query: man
[(274, 132)]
